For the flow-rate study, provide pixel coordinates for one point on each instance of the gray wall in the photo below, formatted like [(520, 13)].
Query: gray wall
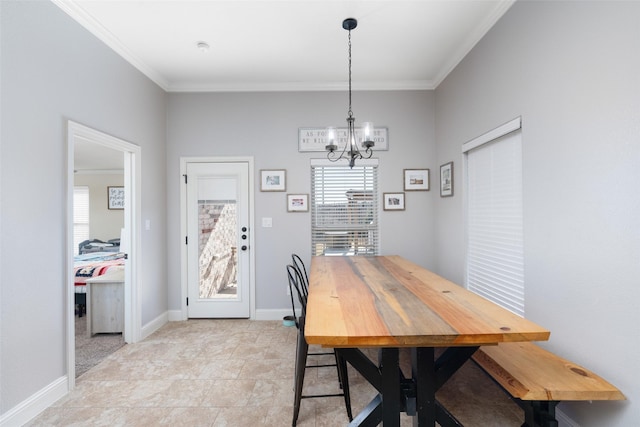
[(572, 71), (54, 70), (265, 125), (104, 223)]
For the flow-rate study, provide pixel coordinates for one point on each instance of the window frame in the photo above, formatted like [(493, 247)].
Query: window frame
[(330, 234)]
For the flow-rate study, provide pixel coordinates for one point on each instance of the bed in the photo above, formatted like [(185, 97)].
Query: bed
[(97, 245), (89, 265)]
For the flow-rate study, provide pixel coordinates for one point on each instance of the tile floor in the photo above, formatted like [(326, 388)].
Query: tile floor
[(238, 373)]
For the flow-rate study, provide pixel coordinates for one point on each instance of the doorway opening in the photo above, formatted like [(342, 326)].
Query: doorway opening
[(114, 161)]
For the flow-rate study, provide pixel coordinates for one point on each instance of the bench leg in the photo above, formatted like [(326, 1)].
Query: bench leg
[(539, 413)]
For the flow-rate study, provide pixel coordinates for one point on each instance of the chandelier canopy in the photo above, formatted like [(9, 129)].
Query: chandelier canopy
[(350, 152)]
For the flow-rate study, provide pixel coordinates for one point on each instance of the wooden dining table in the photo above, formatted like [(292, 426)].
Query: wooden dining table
[(389, 303)]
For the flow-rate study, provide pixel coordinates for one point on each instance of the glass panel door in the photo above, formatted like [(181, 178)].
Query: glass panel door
[(217, 209)]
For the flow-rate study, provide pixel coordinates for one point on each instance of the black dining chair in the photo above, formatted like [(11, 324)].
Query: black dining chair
[(296, 285), (299, 265)]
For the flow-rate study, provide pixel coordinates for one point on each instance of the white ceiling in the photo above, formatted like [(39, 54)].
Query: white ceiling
[(270, 45), (282, 45), (93, 158)]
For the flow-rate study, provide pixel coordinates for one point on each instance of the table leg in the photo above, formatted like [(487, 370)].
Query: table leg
[(363, 365), (423, 373), (390, 370), (450, 361), (429, 375), (371, 415), (385, 378), (416, 395)]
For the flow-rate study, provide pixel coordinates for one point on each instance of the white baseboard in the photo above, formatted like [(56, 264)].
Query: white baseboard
[(272, 314), (261, 314), (154, 325), (34, 405)]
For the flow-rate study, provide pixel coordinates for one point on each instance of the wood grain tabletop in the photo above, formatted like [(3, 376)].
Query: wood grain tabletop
[(388, 301)]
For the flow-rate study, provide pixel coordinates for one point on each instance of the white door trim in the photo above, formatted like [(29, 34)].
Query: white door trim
[(183, 229), (132, 181)]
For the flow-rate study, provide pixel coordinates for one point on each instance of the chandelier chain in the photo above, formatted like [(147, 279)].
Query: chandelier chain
[(350, 111)]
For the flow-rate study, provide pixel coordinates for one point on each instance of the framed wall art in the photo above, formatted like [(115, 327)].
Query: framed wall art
[(273, 180), (315, 140), (393, 201), (416, 180), (297, 203), (446, 180), (115, 197)]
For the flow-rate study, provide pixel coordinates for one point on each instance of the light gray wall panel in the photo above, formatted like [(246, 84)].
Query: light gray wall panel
[(572, 71)]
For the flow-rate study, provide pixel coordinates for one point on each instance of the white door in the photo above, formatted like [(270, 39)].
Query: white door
[(218, 262)]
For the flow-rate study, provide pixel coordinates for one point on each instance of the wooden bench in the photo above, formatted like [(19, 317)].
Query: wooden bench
[(538, 380)]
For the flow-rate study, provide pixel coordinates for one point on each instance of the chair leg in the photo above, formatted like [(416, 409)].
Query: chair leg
[(302, 349), (335, 354), (343, 377)]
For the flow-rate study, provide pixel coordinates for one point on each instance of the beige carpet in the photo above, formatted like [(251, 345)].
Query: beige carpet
[(91, 351)]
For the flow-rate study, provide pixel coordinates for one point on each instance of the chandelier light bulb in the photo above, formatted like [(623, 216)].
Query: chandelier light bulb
[(367, 135), (331, 135)]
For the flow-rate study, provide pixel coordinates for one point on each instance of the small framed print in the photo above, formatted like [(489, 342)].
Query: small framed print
[(446, 180), (416, 180), (115, 197), (297, 203), (393, 201), (273, 180)]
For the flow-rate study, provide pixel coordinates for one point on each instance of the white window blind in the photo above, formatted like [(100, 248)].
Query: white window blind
[(344, 208), (80, 216), (495, 261)]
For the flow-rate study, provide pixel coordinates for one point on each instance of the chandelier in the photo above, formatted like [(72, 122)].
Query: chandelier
[(350, 151)]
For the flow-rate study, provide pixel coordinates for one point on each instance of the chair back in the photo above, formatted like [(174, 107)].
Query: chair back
[(302, 270), (296, 287)]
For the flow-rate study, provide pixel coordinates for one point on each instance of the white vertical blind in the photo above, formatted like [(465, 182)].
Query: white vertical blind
[(495, 261), (344, 208), (80, 216)]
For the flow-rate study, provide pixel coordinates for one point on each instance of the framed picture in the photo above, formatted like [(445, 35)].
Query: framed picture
[(273, 180), (416, 180), (297, 203), (393, 201), (446, 180), (115, 197)]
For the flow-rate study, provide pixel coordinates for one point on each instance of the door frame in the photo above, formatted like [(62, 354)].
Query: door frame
[(184, 271), (132, 219)]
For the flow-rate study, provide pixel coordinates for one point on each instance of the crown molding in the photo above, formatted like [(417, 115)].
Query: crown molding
[(84, 18), (474, 37), (301, 87)]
